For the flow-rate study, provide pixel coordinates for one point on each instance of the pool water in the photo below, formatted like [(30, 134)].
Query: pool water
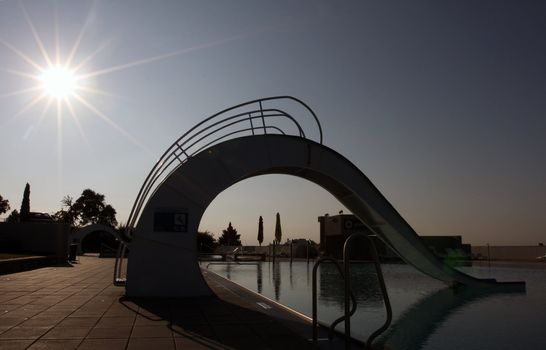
[(426, 314)]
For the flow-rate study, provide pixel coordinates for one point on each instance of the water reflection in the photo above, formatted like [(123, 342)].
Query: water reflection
[(422, 306), (421, 320), (228, 271), (291, 277), (259, 279), (364, 282), (277, 279)]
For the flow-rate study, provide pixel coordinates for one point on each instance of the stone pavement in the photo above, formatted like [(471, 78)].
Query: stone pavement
[(79, 308)]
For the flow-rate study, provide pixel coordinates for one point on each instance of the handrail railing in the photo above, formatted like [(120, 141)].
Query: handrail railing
[(214, 129), (347, 270), (118, 266), (350, 301), (183, 148), (314, 301)]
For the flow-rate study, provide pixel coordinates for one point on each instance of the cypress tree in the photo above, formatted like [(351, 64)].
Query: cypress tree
[(278, 229), (25, 205), (260, 231)]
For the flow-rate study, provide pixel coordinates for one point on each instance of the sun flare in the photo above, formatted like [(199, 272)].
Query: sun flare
[(58, 82)]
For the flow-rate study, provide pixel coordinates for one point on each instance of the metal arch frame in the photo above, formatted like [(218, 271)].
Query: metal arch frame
[(177, 150)]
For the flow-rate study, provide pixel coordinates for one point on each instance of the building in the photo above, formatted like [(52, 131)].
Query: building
[(335, 229)]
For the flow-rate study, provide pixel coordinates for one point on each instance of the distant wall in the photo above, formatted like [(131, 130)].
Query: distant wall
[(523, 253), (43, 238)]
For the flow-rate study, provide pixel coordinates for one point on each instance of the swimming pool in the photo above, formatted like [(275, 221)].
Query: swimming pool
[(426, 314)]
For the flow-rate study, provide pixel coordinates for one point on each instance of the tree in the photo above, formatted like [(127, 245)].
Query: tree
[(278, 230), (205, 242), (24, 213), (229, 236), (107, 216), (4, 205), (66, 214), (260, 231), (90, 208), (13, 216)]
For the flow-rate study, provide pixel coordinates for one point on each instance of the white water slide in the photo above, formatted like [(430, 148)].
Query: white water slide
[(277, 135)]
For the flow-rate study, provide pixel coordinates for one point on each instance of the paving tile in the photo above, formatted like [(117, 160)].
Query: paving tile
[(60, 332), (151, 332), (150, 321), (11, 321), (55, 313), (79, 321), (8, 307), (119, 332), (24, 333), (22, 313), (189, 319), (80, 302), (120, 313), (108, 322), (186, 343), (39, 321), (63, 307), (66, 344), (151, 343), (109, 344), (14, 344), (193, 330)]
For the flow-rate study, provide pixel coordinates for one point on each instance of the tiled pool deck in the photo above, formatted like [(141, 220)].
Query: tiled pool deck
[(79, 308)]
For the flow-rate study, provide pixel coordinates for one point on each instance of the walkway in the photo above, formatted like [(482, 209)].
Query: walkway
[(78, 307)]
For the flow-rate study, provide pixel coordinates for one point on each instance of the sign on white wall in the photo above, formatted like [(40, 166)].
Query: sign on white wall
[(171, 221)]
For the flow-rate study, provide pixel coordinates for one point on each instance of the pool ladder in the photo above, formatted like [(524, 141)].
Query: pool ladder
[(119, 280), (350, 300)]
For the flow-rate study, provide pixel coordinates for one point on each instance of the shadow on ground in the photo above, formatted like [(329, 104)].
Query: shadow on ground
[(209, 323)]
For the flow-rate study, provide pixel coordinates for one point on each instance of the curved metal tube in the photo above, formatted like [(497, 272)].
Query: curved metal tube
[(171, 151), (347, 263), (176, 146), (386, 299), (314, 301), (342, 318)]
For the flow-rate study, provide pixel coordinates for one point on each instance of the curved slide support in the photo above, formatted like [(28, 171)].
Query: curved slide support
[(163, 259)]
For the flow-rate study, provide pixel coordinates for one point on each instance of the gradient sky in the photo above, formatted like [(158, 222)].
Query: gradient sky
[(440, 103)]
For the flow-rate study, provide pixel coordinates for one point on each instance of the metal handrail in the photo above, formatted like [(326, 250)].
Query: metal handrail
[(348, 294), (383, 291), (188, 145), (178, 149), (347, 269), (118, 265), (315, 308)]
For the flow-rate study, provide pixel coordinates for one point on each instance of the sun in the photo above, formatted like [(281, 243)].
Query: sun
[(58, 82)]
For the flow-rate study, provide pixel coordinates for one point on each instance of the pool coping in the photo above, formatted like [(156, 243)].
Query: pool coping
[(304, 320)]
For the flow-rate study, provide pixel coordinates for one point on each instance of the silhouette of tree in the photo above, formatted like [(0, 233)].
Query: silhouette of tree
[(229, 236), (4, 205), (90, 208), (205, 242), (66, 214), (260, 231), (24, 213), (278, 230), (13, 216)]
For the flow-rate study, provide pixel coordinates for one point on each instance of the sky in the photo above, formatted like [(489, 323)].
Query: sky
[(440, 104)]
